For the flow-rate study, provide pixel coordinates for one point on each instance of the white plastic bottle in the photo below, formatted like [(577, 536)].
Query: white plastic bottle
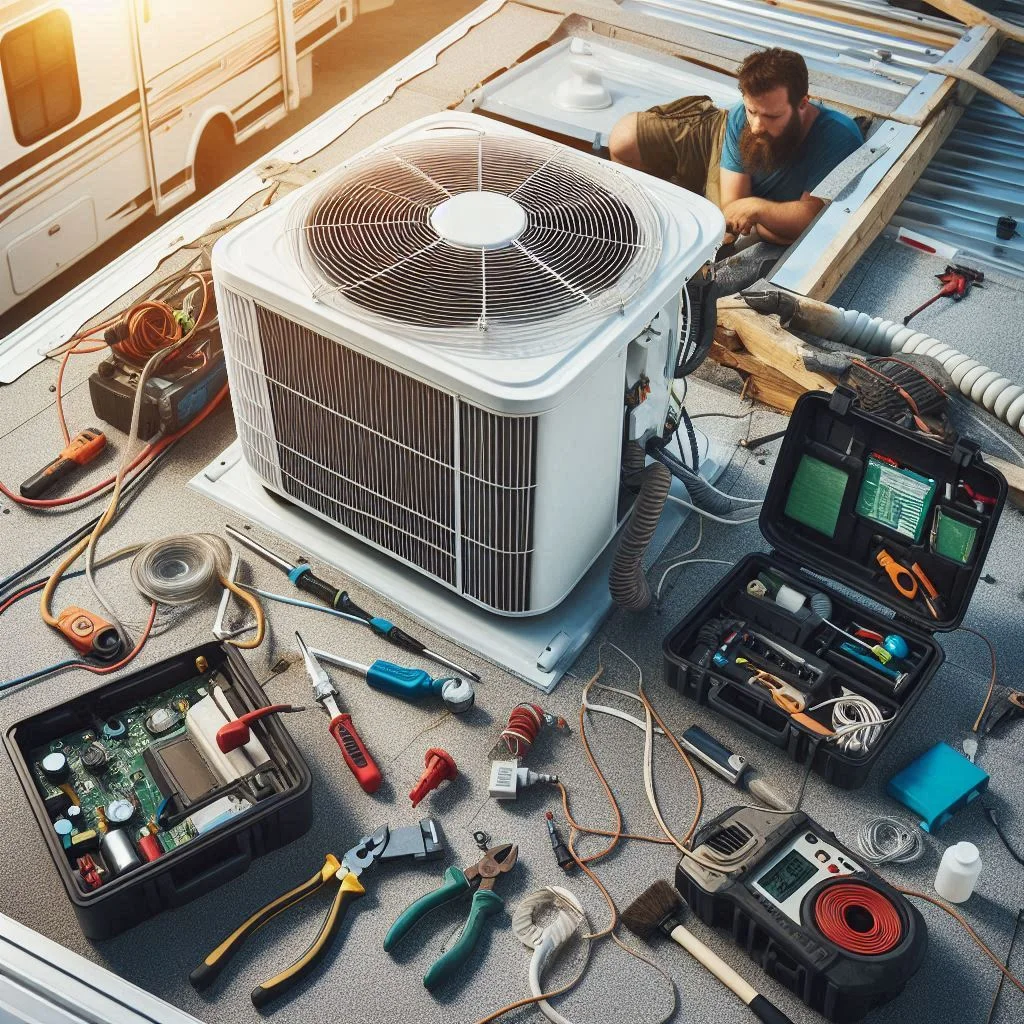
[(958, 872)]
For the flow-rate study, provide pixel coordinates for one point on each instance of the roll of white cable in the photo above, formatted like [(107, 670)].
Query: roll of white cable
[(548, 940)]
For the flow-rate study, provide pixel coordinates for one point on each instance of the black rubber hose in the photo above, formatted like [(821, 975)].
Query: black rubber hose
[(626, 581)]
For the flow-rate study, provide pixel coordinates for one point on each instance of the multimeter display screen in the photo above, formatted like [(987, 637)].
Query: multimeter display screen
[(787, 876)]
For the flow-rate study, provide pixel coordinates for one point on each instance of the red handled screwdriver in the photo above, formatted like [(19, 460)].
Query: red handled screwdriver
[(357, 757)]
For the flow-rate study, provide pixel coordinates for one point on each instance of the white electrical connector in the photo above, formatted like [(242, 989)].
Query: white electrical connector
[(507, 778)]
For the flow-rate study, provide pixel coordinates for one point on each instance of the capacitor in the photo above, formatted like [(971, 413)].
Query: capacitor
[(162, 720), (63, 827), (74, 815), (113, 728), (149, 846), (119, 852), (55, 766), (120, 811), (95, 757)]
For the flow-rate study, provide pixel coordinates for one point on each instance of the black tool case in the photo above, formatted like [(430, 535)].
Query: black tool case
[(205, 861), (832, 430)]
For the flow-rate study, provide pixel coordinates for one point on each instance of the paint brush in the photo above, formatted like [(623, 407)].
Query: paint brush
[(659, 909)]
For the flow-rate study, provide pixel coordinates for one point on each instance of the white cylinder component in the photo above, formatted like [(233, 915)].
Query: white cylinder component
[(790, 599), (958, 872)]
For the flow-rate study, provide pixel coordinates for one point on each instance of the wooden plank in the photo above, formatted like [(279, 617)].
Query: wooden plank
[(866, 222), (761, 379), (943, 40), (765, 339), (968, 14), (1014, 474)]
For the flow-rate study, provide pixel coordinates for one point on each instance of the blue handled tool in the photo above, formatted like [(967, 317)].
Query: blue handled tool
[(302, 576), (408, 683)]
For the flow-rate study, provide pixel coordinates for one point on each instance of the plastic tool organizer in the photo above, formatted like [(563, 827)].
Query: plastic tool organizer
[(108, 739), (842, 529)]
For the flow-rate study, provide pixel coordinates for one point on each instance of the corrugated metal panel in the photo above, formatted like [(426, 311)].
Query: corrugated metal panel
[(826, 45), (977, 177)]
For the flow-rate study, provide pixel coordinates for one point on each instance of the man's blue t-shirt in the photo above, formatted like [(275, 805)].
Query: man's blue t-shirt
[(831, 139)]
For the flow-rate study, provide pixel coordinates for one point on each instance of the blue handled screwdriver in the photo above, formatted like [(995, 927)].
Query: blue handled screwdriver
[(302, 576), (407, 683)]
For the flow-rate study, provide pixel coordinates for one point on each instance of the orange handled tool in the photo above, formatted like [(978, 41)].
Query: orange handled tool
[(357, 757), (82, 449), (902, 578)]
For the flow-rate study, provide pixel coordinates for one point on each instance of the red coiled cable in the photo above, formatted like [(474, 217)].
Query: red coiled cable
[(523, 725), (858, 919)]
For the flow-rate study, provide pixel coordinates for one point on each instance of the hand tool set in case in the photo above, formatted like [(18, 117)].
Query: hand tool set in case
[(823, 644), (140, 808)]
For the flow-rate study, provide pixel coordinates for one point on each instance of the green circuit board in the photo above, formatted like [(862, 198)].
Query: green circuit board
[(126, 777)]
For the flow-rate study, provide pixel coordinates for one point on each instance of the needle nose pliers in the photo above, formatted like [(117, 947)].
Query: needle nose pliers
[(457, 883)]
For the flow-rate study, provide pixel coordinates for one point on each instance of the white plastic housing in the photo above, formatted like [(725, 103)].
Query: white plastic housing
[(527, 486)]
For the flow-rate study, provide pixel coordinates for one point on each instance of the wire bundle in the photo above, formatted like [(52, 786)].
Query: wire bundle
[(523, 725), (857, 722), (858, 919), (181, 568), (887, 840)]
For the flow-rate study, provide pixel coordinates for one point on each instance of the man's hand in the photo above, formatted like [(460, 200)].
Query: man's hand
[(743, 215)]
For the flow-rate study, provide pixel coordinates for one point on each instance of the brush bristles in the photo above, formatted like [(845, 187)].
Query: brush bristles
[(649, 911)]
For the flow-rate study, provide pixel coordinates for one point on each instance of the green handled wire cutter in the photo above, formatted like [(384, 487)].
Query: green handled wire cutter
[(478, 879), (415, 842)]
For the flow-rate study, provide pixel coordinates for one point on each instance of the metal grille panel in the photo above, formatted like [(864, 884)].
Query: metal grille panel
[(442, 484), (367, 243), (498, 458)]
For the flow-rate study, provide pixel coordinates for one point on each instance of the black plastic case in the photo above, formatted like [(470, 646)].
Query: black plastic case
[(831, 427), (206, 861)]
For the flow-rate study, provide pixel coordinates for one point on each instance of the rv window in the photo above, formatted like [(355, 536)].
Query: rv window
[(40, 76)]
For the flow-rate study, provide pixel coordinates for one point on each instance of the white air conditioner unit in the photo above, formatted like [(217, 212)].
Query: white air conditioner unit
[(430, 347)]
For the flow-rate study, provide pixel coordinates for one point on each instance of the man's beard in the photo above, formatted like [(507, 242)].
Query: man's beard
[(761, 154)]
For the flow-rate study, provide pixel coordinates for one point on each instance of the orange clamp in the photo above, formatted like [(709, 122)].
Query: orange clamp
[(902, 578)]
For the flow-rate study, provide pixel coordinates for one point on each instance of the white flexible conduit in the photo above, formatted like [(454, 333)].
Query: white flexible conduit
[(546, 942), (983, 385)]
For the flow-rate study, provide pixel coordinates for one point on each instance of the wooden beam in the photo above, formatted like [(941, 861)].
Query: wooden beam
[(762, 380), (1014, 474), (767, 340), (865, 223), (968, 14), (929, 36)]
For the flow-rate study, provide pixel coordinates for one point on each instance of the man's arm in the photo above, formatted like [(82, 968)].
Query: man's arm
[(733, 186), (775, 222)]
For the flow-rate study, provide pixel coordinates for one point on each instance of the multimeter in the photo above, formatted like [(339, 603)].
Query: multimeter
[(810, 912)]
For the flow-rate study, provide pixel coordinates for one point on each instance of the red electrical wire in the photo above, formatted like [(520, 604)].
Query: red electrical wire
[(523, 725), (14, 598), (859, 919), (148, 453)]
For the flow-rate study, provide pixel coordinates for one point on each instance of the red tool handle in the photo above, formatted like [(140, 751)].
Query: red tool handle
[(353, 749)]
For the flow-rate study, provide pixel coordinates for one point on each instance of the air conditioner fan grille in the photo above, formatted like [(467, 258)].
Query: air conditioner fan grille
[(369, 241)]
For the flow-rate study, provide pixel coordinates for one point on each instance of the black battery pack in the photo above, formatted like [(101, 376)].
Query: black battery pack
[(809, 912), (170, 398), (823, 644), (140, 810)]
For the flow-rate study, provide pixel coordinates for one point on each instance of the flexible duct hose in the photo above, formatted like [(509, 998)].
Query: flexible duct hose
[(626, 581), (983, 385)]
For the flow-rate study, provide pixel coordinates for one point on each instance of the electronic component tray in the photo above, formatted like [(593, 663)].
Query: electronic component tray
[(831, 548), (192, 863)]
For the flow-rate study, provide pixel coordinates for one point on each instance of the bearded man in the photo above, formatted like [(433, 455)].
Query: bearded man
[(759, 161)]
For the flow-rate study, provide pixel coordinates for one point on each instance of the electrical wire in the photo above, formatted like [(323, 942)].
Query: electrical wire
[(970, 931), (268, 595), (886, 840), (688, 561), (711, 515), (87, 666), (990, 814), (857, 722), (992, 680), (1009, 956)]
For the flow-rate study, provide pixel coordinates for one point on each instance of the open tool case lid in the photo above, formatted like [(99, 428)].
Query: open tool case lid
[(908, 494)]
